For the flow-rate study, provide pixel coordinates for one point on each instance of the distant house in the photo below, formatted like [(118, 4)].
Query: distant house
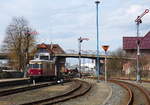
[(130, 47), (46, 51), (130, 44)]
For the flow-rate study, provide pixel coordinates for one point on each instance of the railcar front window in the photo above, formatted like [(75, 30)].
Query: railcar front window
[(36, 66)]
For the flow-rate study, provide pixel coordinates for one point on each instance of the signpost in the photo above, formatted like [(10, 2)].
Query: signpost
[(105, 48)]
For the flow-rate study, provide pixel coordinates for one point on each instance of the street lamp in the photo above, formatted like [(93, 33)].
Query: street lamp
[(138, 22), (97, 55), (80, 40), (105, 48)]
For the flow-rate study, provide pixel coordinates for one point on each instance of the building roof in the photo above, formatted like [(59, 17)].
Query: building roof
[(130, 42), (52, 48)]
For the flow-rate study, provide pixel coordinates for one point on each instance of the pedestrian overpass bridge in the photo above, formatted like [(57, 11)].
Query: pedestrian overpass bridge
[(66, 55), (90, 56), (73, 55)]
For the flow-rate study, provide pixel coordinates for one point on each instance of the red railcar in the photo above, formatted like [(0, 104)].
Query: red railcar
[(41, 68)]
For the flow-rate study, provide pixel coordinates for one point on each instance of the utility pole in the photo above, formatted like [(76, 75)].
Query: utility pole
[(97, 58), (138, 22), (80, 40)]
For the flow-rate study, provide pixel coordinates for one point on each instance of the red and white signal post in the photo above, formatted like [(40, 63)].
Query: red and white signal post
[(105, 48)]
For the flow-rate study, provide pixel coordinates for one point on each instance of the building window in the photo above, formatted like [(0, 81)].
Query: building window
[(44, 57), (42, 50)]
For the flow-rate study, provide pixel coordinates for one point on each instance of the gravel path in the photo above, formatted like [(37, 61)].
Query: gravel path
[(118, 95)]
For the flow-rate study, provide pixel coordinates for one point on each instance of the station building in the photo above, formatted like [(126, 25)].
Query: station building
[(130, 44), (130, 47), (46, 52)]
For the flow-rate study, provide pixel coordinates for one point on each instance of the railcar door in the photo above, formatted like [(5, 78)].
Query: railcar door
[(44, 68), (47, 70)]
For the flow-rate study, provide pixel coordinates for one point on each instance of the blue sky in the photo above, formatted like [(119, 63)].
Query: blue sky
[(64, 21)]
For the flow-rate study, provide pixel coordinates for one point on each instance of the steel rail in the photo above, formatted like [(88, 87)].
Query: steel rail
[(130, 91), (26, 88), (73, 93)]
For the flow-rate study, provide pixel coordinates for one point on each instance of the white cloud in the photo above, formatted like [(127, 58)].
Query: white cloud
[(121, 21), (133, 9)]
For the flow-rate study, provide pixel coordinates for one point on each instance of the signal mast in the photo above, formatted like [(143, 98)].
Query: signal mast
[(80, 40), (138, 21)]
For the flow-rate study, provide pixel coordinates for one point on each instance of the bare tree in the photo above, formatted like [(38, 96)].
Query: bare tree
[(18, 42), (115, 65)]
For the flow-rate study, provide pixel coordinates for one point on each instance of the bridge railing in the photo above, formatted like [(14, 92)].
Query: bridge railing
[(94, 52)]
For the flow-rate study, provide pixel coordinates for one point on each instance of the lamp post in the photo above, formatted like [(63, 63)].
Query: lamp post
[(97, 55), (138, 22), (80, 40), (105, 48)]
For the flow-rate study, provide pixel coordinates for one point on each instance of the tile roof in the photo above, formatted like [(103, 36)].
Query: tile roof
[(130, 42), (52, 48)]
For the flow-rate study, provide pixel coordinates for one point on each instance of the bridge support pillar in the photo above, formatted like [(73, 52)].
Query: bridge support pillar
[(97, 64)]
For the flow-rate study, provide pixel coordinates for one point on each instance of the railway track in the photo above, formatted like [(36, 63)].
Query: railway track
[(80, 88), (119, 78), (14, 90), (137, 95)]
